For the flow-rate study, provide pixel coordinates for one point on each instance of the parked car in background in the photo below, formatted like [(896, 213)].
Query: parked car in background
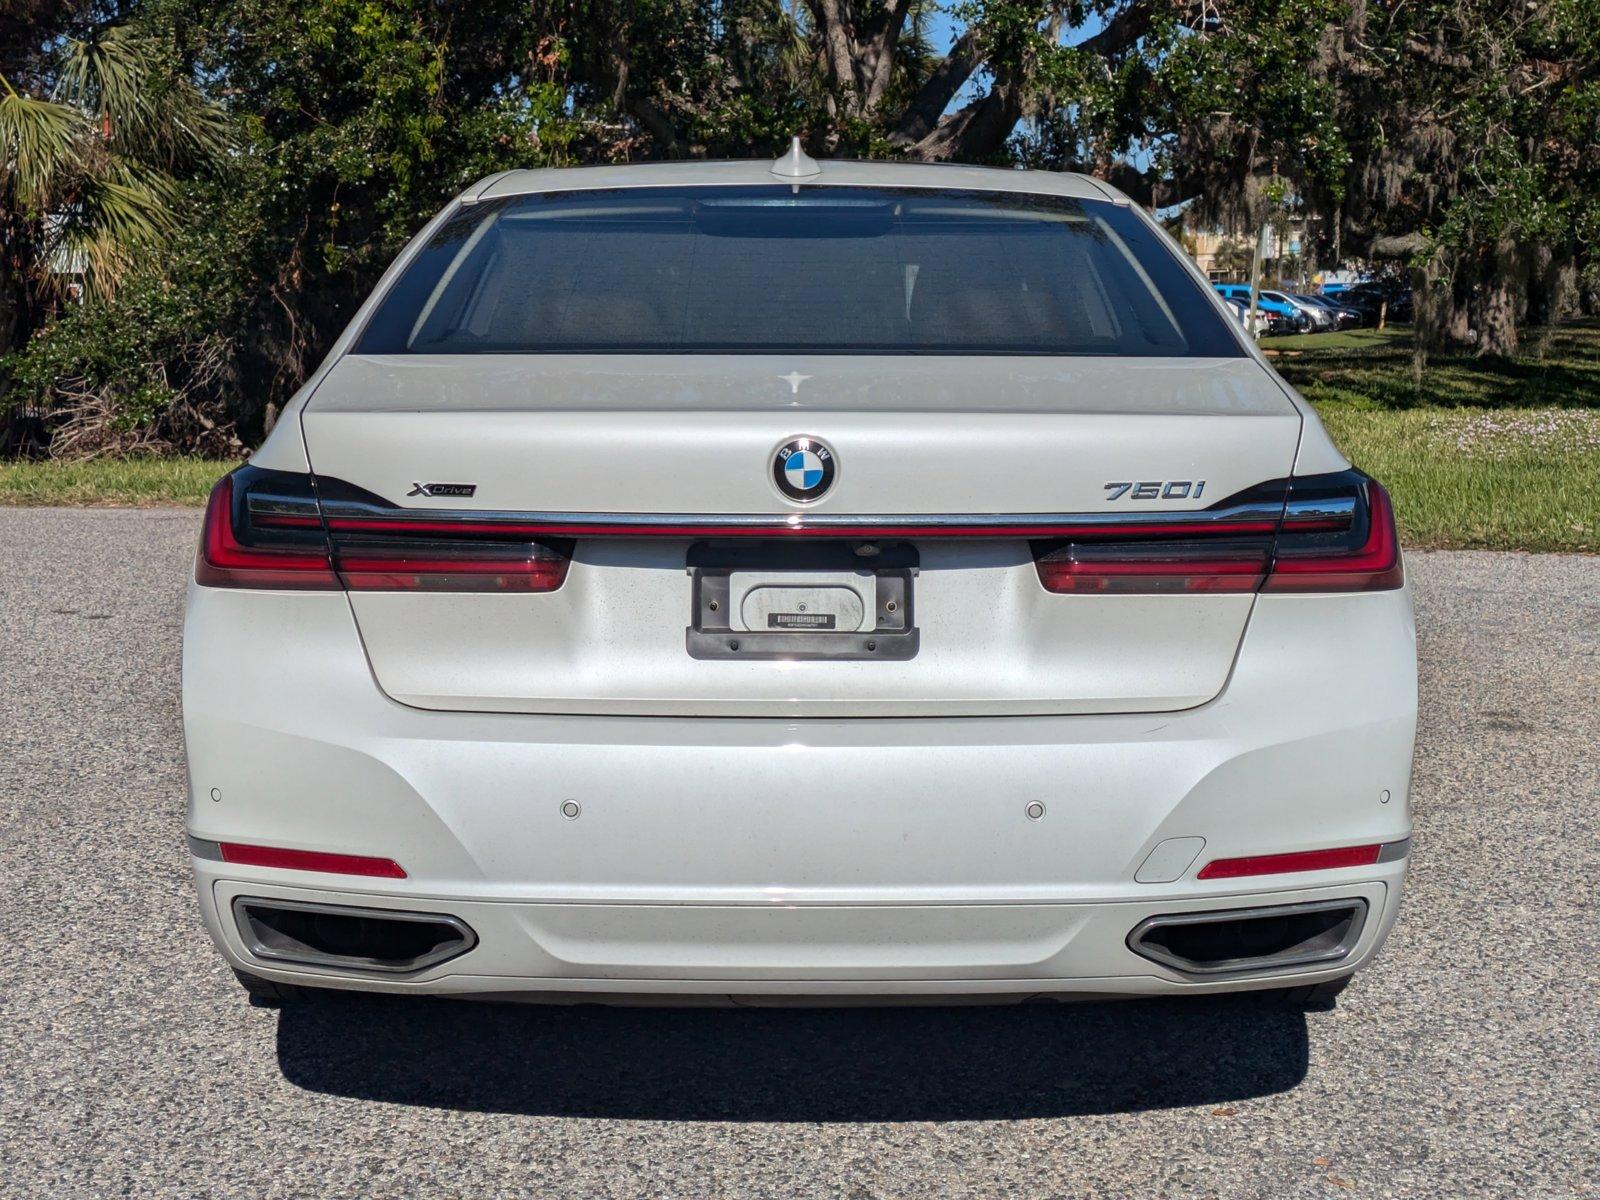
[(1340, 316), (1280, 324), (1295, 321), (1241, 312), (1391, 299), (1307, 319), (1322, 320)]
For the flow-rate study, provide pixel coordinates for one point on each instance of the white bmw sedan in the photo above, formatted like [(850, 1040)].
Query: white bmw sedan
[(794, 581)]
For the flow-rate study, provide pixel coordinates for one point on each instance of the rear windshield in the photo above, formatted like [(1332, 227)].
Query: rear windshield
[(779, 268)]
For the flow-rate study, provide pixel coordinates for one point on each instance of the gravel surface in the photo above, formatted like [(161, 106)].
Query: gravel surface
[(1464, 1064)]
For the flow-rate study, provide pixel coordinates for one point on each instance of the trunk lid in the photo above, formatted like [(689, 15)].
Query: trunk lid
[(912, 436)]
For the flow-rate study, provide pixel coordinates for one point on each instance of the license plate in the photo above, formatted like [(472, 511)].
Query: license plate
[(818, 605), (812, 601)]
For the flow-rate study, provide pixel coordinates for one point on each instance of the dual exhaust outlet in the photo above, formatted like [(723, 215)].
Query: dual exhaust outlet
[(1194, 943)]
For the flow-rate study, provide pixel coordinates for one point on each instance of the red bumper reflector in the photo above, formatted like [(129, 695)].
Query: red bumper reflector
[(1278, 864), (311, 860)]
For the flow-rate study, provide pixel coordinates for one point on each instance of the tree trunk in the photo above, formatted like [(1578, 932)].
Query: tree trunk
[(978, 131), (23, 432), (858, 49), (1432, 308), (1497, 304), (947, 79), (19, 313), (10, 307), (1459, 327), (1552, 287)]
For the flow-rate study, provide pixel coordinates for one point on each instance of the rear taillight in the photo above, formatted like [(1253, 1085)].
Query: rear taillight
[(1224, 548), (1323, 533), (1361, 553), (264, 529)]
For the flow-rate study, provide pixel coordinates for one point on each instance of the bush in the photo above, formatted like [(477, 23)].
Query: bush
[(154, 368)]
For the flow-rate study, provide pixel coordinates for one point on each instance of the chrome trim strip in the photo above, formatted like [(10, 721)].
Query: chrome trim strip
[(622, 522), (1394, 851), (210, 851)]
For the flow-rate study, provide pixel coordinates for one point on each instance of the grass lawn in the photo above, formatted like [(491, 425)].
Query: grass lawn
[(1505, 479), (1294, 344), (1372, 369), (1486, 454), (111, 483)]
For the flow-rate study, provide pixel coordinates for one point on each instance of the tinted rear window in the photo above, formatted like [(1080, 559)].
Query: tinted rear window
[(765, 269)]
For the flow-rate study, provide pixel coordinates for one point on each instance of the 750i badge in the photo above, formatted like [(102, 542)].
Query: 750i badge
[(1160, 489)]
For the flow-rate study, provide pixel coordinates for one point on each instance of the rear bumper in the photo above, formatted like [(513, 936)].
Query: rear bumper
[(798, 857), (802, 950)]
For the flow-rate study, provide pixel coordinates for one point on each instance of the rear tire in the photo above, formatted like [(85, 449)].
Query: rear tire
[(269, 993), (1312, 995)]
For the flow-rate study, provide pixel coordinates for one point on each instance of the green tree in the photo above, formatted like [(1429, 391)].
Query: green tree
[(1474, 127), (95, 132), (1459, 137), (358, 119)]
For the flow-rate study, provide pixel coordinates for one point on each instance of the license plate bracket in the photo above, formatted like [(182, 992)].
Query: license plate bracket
[(880, 574)]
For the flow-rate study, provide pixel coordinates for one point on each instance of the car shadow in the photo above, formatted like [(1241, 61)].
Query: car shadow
[(810, 1065)]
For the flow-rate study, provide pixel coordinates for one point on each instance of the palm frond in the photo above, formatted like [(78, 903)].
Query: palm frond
[(791, 34), (108, 75), (126, 80), (116, 215), (39, 143)]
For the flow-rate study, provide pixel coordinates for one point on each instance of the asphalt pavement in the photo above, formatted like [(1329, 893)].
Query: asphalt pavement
[(1465, 1063)]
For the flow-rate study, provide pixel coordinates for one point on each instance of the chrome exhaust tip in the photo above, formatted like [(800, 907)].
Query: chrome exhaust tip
[(348, 937), (1251, 939)]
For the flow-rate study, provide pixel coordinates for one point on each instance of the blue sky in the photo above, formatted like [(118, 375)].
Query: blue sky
[(945, 28)]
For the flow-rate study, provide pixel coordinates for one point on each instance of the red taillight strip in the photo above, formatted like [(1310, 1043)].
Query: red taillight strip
[(1256, 510), (244, 855), (224, 562), (1282, 864), (371, 573), (1197, 574)]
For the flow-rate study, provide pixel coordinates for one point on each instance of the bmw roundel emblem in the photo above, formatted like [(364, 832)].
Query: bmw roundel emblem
[(803, 468)]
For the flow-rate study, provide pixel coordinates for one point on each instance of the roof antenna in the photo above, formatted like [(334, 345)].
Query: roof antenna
[(796, 164)]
